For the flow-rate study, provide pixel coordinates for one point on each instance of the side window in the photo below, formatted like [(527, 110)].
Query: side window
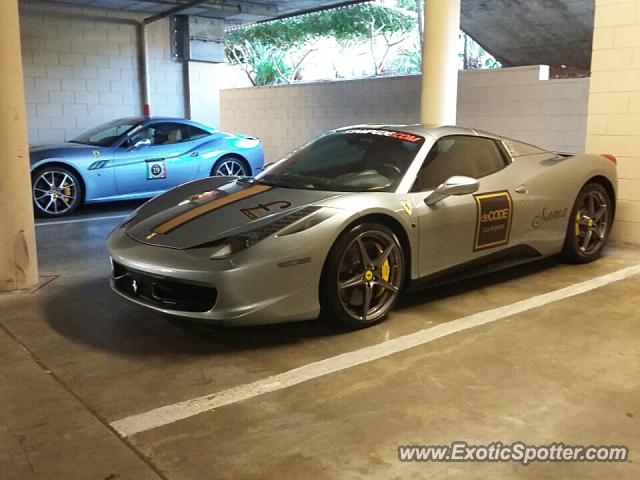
[(161, 134), (474, 157), (195, 133)]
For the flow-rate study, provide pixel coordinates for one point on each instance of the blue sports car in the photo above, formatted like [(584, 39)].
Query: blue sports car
[(134, 158)]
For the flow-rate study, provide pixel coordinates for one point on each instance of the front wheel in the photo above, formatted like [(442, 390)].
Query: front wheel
[(589, 224), (363, 277), (230, 167), (56, 191)]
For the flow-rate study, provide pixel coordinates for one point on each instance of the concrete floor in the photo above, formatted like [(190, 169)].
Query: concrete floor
[(75, 357)]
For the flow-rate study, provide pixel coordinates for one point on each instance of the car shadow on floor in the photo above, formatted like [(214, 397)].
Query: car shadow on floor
[(457, 287), (103, 320)]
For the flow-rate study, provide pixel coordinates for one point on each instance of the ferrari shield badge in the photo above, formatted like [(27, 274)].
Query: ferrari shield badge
[(156, 169), (96, 153), (407, 207)]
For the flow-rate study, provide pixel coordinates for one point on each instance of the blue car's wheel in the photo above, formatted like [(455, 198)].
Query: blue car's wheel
[(230, 167), (56, 191)]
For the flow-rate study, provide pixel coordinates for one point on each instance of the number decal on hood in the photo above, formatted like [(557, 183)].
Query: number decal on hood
[(264, 208)]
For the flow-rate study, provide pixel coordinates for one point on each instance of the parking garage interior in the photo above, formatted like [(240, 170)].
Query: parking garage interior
[(95, 387)]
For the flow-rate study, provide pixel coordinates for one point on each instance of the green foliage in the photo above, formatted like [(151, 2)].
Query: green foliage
[(411, 5), (408, 61), (273, 52), (263, 65), (269, 66), (474, 56), (340, 23)]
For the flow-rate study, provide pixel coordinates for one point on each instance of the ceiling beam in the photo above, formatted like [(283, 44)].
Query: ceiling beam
[(172, 11), (225, 7)]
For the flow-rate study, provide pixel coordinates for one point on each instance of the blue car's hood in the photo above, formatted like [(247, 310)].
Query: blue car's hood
[(61, 150)]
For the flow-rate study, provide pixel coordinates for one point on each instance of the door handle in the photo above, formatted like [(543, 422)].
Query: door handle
[(521, 189), (194, 154)]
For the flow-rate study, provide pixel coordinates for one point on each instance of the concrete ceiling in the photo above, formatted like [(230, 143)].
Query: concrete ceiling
[(529, 32), (233, 11), (516, 32)]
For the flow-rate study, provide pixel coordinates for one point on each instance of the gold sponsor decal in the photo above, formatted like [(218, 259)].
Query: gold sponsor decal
[(494, 215)]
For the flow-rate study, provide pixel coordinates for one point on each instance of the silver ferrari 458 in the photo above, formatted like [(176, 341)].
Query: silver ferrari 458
[(342, 225)]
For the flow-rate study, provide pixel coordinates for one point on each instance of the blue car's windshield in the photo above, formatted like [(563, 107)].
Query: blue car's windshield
[(354, 160), (104, 135)]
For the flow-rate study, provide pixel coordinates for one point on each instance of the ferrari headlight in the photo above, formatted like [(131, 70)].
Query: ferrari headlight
[(246, 240)]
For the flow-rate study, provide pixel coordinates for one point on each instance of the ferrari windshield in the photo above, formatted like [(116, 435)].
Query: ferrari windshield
[(355, 160), (104, 135)]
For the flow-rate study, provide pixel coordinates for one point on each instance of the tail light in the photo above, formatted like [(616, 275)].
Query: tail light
[(610, 157)]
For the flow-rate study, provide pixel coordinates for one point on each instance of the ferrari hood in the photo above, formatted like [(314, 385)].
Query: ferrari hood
[(213, 208)]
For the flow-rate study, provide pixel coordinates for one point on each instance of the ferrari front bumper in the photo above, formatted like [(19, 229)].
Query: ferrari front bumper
[(266, 284)]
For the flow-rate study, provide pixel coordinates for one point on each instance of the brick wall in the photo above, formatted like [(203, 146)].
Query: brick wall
[(614, 104), (79, 73), (517, 102)]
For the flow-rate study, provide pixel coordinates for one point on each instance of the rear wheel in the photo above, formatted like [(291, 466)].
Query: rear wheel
[(363, 276), (230, 167), (589, 224), (56, 191)]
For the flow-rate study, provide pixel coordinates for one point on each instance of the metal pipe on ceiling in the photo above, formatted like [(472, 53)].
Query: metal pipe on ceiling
[(143, 72), (144, 59)]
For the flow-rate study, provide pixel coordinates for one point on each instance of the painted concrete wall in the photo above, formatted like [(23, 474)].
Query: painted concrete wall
[(614, 104), (518, 102), (79, 73)]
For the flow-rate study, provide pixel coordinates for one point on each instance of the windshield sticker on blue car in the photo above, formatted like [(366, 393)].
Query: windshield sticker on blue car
[(493, 224), (407, 137), (156, 169)]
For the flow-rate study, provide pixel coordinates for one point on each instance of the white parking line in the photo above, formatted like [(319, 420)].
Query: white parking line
[(79, 220), (172, 413)]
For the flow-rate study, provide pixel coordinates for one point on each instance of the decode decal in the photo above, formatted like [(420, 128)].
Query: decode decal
[(493, 223)]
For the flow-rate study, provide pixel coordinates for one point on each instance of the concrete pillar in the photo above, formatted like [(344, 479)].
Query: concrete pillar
[(18, 262), (613, 122), (440, 62)]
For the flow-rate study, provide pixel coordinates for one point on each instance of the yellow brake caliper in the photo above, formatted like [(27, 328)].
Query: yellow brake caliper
[(67, 191), (578, 215), (385, 273), (385, 270)]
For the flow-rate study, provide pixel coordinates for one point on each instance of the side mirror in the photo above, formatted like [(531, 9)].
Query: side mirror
[(457, 185), (142, 142)]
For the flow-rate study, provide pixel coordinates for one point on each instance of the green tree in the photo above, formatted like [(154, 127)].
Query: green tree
[(295, 36)]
